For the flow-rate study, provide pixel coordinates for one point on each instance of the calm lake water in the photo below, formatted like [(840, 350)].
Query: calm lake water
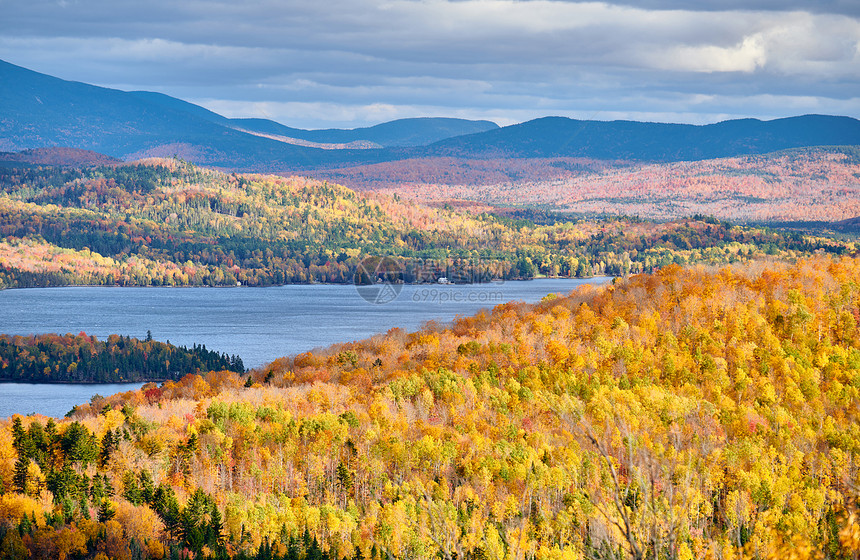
[(258, 324), (53, 400)]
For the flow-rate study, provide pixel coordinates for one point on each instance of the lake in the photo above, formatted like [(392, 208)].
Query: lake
[(53, 400), (258, 324)]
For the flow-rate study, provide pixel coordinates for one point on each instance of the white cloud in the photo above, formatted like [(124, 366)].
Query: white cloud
[(749, 55)]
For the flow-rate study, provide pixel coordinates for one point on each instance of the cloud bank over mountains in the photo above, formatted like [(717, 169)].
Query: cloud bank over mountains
[(350, 63)]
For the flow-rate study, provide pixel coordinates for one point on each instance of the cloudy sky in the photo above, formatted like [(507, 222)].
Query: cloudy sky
[(350, 63)]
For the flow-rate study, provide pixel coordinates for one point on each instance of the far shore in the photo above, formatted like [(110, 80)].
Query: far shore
[(220, 286)]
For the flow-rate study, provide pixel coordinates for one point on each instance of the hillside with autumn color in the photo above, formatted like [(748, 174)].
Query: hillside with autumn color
[(170, 223), (691, 413), (803, 185)]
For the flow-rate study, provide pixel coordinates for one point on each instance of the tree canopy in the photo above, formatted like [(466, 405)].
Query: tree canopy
[(689, 413)]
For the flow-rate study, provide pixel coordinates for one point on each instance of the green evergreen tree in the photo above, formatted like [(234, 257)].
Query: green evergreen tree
[(106, 510), (19, 478)]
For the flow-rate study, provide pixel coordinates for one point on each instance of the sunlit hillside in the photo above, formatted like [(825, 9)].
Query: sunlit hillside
[(169, 223), (690, 413), (810, 184)]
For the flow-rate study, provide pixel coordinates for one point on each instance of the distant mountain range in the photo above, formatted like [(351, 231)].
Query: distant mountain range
[(640, 141), (398, 133), (37, 111)]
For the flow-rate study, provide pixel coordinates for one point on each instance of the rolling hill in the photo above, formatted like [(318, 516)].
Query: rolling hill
[(397, 133), (39, 111), (42, 111), (168, 223), (798, 185), (699, 413), (640, 141)]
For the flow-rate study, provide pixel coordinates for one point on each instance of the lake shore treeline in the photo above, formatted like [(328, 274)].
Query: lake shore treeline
[(81, 358)]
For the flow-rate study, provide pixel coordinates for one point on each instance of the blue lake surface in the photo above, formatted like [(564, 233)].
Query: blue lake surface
[(258, 324), (53, 400)]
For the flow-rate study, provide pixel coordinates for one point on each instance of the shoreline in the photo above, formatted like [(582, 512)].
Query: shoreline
[(263, 330), (449, 284), (77, 383)]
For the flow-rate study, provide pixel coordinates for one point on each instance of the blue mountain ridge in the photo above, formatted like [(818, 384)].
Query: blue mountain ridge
[(37, 110)]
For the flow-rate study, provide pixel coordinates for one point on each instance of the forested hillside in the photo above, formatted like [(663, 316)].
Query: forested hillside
[(810, 184), (691, 413), (169, 223)]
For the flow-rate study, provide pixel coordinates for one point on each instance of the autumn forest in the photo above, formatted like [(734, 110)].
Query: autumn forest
[(702, 404), (700, 412), (170, 223)]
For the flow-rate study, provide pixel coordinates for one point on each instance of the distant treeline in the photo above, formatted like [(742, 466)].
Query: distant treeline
[(52, 358)]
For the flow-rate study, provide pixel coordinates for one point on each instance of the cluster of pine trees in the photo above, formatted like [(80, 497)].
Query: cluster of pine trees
[(51, 358)]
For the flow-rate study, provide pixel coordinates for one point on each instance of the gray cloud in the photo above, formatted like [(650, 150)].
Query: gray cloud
[(357, 62)]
